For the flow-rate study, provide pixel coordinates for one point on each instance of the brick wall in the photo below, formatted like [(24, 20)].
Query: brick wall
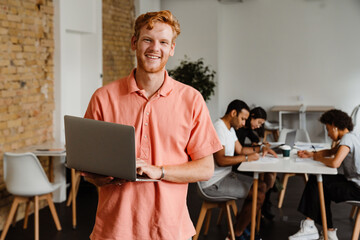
[(27, 77), (118, 20)]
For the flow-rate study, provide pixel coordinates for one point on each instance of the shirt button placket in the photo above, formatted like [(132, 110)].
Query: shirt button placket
[(146, 143)]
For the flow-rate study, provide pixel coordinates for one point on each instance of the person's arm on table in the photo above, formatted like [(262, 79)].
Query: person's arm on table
[(193, 171), (322, 153), (335, 161), (265, 149), (223, 160)]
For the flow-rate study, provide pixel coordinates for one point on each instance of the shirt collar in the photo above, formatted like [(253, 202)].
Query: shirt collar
[(164, 90)]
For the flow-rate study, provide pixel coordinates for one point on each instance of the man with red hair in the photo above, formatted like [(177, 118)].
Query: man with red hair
[(175, 141)]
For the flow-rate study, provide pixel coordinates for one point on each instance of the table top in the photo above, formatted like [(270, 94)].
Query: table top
[(318, 108), (45, 149), (291, 165), (298, 108), (288, 108)]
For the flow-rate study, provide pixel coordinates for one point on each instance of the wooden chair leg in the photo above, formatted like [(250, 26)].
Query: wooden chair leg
[(220, 216), (77, 184), (26, 217), (353, 212), (355, 235), (234, 207), (230, 224), (200, 220), (13, 209), (276, 135), (36, 217), (73, 189), (282, 192), (207, 221), (53, 212), (232, 203), (258, 220), (14, 218)]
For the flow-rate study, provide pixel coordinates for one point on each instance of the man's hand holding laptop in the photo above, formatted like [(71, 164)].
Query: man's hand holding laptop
[(101, 180), (152, 171), (142, 167)]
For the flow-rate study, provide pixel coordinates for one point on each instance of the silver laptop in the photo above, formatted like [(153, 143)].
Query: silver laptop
[(101, 147), (289, 140)]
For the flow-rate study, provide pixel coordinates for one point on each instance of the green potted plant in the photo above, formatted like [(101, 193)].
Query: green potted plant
[(195, 74)]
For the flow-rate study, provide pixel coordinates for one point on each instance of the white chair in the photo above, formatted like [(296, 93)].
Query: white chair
[(356, 231), (301, 136), (354, 117), (25, 178)]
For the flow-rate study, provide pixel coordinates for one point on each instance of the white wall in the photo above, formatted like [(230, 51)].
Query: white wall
[(78, 57), (198, 38), (273, 52), (144, 6)]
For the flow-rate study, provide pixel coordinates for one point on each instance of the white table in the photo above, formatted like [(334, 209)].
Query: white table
[(287, 166), (57, 171)]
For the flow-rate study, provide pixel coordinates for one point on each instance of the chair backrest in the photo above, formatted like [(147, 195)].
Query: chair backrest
[(271, 126), (354, 118), (283, 133), (24, 175), (302, 136), (353, 202), (209, 198)]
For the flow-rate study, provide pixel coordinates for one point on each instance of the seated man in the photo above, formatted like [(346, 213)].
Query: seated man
[(225, 182)]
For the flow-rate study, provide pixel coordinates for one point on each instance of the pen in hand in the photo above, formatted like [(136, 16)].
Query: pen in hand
[(313, 147)]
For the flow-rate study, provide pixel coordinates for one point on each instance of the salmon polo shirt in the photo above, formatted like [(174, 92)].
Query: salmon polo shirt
[(171, 128)]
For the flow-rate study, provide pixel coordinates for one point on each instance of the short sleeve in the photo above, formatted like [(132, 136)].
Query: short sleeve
[(204, 140), (347, 140)]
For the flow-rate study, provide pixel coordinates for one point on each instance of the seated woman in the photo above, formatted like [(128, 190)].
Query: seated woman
[(253, 130), (337, 188), (255, 123)]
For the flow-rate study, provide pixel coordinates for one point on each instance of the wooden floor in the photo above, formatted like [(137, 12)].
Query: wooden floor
[(285, 223)]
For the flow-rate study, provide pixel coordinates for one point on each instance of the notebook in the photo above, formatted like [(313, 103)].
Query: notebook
[(101, 147)]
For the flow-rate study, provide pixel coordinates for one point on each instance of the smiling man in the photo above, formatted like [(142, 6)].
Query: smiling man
[(175, 141)]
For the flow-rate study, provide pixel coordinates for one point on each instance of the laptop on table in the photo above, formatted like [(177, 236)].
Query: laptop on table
[(101, 147), (289, 140)]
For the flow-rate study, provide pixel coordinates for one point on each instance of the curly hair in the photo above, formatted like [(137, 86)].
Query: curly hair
[(150, 18), (338, 118)]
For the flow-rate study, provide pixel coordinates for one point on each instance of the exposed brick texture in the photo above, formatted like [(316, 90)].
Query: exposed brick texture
[(27, 77), (26, 80), (118, 20)]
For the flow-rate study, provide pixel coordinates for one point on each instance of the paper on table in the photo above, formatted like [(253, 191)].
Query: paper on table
[(308, 146), (268, 159), (299, 160)]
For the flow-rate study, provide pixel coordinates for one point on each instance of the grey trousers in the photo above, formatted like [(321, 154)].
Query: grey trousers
[(235, 184)]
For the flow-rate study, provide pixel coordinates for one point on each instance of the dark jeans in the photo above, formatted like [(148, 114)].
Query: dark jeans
[(336, 188)]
